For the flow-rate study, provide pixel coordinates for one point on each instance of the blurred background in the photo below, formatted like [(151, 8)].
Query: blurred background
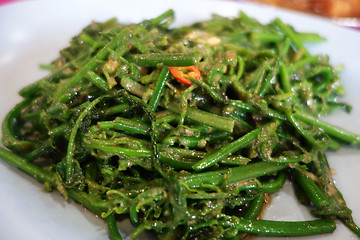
[(326, 8), (342, 12)]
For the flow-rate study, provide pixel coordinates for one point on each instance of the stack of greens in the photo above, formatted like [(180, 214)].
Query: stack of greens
[(185, 130)]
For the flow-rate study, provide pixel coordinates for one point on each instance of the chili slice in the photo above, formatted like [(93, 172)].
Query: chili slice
[(182, 74)]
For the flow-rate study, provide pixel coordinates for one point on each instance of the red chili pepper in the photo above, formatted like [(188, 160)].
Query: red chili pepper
[(182, 74)]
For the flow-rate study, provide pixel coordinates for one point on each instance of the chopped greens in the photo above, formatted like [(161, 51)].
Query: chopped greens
[(185, 130)]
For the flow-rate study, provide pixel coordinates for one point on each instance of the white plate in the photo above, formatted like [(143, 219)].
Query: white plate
[(33, 32)]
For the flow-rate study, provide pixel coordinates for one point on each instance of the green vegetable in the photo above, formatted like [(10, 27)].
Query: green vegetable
[(113, 128)]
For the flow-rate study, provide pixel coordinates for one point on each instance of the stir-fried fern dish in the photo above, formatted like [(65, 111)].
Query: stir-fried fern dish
[(186, 131)]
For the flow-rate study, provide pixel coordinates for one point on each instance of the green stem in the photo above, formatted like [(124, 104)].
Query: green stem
[(21, 163), (282, 228), (71, 144), (145, 153), (159, 88), (204, 117), (317, 197), (167, 59), (138, 231), (120, 108), (273, 186), (97, 80), (231, 175), (330, 129), (112, 227), (291, 35), (124, 124), (284, 78), (255, 207), (227, 150), (9, 138), (120, 39)]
